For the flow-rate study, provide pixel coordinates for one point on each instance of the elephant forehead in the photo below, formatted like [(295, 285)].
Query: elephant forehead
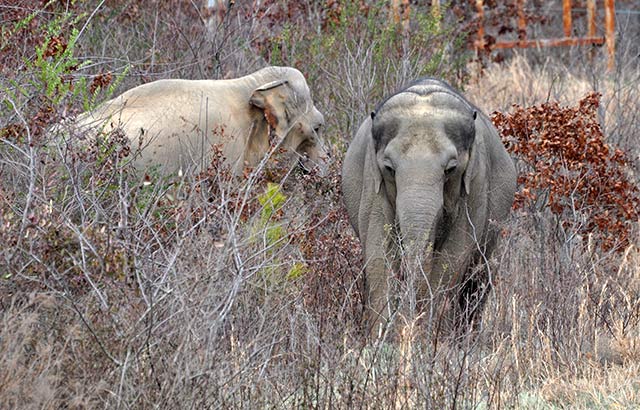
[(301, 92), (432, 101), (421, 139), (300, 99), (432, 131), (299, 85)]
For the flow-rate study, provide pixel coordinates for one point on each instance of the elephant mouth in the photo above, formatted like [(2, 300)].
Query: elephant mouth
[(305, 165), (442, 228)]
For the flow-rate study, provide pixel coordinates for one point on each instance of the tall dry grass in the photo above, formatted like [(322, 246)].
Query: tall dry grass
[(519, 81), (571, 346)]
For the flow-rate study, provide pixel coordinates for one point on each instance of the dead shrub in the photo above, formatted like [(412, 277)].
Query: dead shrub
[(567, 166)]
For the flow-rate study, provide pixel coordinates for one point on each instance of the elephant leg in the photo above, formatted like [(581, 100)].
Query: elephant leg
[(476, 285), (379, 255), (378, 309), (440, 286), (472, 296)]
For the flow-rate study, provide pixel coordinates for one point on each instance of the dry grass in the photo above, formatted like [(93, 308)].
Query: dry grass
[(518, 81), (571, 323), (521, 82), (594, 363), (118, 295)]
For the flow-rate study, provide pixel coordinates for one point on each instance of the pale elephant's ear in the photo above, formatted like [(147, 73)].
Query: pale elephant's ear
[(260, 99), (257, 97)]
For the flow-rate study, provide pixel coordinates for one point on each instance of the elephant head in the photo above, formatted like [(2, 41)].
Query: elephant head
[(429, 165), (424, 161), (292, 119)]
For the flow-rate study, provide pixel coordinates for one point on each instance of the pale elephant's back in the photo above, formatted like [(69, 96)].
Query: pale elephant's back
[(174, 121), (170, 106)]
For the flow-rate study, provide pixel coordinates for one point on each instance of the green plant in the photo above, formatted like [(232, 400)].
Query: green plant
[(54, 64), (55, 60), (272, 201)]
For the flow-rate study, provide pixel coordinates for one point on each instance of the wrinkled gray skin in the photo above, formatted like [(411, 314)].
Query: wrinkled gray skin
[(177, 121), (430, 168)]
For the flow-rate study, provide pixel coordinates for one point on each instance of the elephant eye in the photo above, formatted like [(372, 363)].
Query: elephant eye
[(451, 167), (389, 168), (316, 129)]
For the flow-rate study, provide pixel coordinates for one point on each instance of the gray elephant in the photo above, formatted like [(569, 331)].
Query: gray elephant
[(423, 179), (177, 121)]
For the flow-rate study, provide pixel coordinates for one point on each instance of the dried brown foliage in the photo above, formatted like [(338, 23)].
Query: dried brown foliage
[(569, 167), (101, 80)]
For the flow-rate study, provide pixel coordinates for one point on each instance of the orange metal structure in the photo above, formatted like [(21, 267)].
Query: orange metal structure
[(568, 40), (400, 11)]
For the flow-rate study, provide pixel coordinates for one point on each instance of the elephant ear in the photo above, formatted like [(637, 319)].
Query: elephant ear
[(473, 163), (264, 98), (371, 165)]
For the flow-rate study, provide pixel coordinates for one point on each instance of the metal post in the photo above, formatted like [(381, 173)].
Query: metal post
[(591, 26), (480, 10), (591, 17), (610, 36), (566, 17), (522, 21)]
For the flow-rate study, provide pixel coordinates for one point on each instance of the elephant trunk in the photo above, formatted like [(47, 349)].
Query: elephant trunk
[(418, 211), (319, 159), (418, 215)]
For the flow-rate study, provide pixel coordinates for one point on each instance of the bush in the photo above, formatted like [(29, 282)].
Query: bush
[(567, 166)]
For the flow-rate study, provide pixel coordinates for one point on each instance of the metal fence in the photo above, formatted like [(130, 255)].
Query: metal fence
[(400, 10), (523, 41)]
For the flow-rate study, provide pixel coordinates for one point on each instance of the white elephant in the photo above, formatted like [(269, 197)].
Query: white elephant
[(177, 121), (423, 178)]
